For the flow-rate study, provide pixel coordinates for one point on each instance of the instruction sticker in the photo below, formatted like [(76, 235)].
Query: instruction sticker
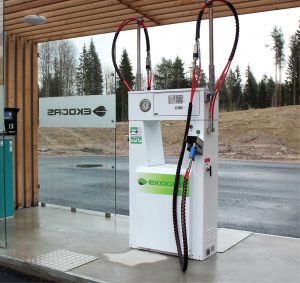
[(135, 135)]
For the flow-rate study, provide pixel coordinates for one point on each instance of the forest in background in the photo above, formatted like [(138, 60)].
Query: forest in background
[(61, 73)]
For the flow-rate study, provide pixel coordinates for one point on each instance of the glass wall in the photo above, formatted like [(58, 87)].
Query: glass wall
[(77, 162)]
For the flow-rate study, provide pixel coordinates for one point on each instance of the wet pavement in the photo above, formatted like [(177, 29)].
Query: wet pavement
[(261, 197)]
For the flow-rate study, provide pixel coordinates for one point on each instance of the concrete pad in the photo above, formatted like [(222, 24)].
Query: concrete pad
[(227, 238), (135, 257), (37, 231)]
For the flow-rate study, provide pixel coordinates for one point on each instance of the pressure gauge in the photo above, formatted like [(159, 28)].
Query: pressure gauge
[(145, 105)]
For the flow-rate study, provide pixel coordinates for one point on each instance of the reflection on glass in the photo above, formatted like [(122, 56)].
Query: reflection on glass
[(76, 168), (3, 237)]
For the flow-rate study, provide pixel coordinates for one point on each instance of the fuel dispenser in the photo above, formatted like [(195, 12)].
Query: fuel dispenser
[(158, 191), (6, 162), (151, 180)]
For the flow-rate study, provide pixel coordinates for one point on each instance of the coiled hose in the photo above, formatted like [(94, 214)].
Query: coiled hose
[(141, 23), (183, 257)]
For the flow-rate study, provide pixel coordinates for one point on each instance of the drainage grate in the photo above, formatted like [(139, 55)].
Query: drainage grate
[(62, 260)]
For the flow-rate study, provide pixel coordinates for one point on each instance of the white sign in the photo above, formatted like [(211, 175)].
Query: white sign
[(93, 111), (1, 108)]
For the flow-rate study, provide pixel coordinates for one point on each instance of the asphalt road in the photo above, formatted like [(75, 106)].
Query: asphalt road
[(10, 275), (262, 197)]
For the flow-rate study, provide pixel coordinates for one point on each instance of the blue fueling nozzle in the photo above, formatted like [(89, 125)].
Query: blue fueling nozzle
[(193, 152)]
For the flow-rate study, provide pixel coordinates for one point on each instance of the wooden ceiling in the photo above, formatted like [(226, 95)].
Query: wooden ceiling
[(75, 18)]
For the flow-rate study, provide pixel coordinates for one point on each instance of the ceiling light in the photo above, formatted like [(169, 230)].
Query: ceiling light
[(34, 20)]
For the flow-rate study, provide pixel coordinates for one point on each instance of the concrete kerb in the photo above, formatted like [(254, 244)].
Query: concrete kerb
[(44, 272)]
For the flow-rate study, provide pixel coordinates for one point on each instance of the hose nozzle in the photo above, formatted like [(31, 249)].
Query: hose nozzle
[(148, 61), (196, 50)]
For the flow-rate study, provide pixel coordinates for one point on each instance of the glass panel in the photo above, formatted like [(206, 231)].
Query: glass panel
[(77, 165), (122, 169), (3, 204), (3, 237)]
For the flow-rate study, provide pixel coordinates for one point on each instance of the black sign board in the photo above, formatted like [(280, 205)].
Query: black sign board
[(10, 121)]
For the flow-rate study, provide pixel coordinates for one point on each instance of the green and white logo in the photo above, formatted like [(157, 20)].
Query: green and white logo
[(159, 184), (142, 181), (135, 135)]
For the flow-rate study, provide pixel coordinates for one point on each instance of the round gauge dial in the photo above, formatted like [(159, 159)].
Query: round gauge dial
[(145, 105)]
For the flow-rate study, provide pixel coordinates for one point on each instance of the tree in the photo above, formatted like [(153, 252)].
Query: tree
[(223, 97), (203, 81), (57, 67), (293, 66), (250, 90), (94, 71), (109, 81), (178, 79), (230, 84), (46, 54), (80, 72), (262, 92), (89, 73), (122, 92), (234, 89), (278, 47), (163, 74), (270, 87), (238, 88)]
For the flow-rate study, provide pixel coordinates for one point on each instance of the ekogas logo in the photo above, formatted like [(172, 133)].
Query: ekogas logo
[(99, 111)]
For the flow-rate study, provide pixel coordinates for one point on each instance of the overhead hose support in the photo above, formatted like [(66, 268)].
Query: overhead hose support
[(232, 53), (141, 23), (183, 257)]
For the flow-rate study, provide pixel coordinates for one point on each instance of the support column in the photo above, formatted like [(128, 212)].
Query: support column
[(22, 92), (19, 154)]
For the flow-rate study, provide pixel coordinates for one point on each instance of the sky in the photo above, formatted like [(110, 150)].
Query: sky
[(178, 40)]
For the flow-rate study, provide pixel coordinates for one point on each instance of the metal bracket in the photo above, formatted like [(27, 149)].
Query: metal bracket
[(207, 96)]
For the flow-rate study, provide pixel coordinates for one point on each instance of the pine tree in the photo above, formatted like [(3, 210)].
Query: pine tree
[(122, 92), (230, 84), (250, 90), (278, 47), (163, 74), (203, 81), (95, 75), (238, 88), (262, 92), (293, 67), (178, 79), (271, 88), (234, 89), (89, 73), (80, 72), (223, 97)]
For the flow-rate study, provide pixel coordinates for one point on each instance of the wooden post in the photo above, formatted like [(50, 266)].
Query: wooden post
[(10, 71), (35, 117), (27, 124), (20, 136)]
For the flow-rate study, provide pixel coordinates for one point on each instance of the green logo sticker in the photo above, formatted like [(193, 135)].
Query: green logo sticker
[(160, 184), (136, 140), (142, 181), (135, 135)]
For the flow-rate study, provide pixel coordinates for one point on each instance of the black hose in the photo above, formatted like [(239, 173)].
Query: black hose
[(113, 55), (183, 258), (237, 29), (113, 49)]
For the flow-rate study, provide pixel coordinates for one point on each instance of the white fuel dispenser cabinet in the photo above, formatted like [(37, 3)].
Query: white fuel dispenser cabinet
[(151, 180)]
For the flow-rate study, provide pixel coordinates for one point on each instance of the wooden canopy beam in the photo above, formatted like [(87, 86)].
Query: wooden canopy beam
[(75, 18)]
